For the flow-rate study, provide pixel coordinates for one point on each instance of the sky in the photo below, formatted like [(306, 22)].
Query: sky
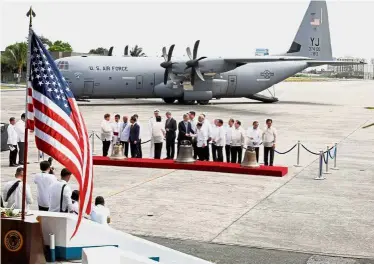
[(225, 28)]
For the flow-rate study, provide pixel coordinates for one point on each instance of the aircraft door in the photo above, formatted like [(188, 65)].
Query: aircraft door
[(139, 82), (88, 88), (231, 87)]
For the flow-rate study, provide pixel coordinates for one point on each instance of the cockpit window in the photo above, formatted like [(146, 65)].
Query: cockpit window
[(63, 65)]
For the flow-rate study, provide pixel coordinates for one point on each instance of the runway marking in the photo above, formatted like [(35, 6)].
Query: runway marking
[(141, 183)]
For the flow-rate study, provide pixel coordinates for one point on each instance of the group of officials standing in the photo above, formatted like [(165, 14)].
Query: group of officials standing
[(230, 138)]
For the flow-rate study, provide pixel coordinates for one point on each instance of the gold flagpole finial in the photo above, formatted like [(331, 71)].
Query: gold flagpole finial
[(30, 14)]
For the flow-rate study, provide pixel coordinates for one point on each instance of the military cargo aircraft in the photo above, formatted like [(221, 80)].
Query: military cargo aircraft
[(156, 77)]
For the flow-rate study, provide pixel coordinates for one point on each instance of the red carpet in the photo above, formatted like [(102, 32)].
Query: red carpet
[(275, 171)]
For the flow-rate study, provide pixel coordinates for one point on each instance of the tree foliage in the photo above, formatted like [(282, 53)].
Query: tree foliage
[(137, 51), (60, 46), (45, 41), (15, 57), (99, 50)]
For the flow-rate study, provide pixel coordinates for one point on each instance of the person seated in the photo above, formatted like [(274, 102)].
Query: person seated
[(75, 201), (100, 214)]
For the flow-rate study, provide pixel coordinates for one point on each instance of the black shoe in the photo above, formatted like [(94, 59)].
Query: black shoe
[(13, 165)]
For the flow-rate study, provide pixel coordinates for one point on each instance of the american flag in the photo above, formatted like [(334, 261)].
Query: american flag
[(315, 22), (53, 114)]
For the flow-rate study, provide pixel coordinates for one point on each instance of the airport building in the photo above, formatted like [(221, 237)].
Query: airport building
[(261, 52), (351, 71)]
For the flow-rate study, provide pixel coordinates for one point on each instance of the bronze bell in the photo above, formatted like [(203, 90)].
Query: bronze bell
[(250, 158), (117, 151), (185, 152)]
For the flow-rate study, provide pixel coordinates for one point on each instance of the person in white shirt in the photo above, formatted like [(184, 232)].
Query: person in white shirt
[(158, 135), (12, 192), (75, 201), (125, 134), (106, 134), (20, 130), (219, 140), (151, 122), (12, 142), (201, 136), (139, 143), (60, 194), (43, 182), (237, 142), (229, 129), (116, 129), (254, 135), (269, 138), (205, 127), (100, 214), (192, 115), (213, 135)]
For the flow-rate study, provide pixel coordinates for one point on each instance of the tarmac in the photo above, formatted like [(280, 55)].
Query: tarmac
[(232, 218)]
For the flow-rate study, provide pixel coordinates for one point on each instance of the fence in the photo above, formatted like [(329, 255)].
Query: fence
[(322, 159)]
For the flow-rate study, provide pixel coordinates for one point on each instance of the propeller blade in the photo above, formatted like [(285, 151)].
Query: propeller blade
[(127, 50), (199, 74), (192, 76), (110, 51), (164, 54), (196, 46), (204, 57), (188, 50), (166, 74), (170, 52)]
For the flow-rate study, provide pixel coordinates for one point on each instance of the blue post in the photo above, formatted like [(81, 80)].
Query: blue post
[(320, 176)]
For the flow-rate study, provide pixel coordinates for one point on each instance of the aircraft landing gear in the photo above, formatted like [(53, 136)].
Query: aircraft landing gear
[(169, 100), (203, 102), (186, 102)]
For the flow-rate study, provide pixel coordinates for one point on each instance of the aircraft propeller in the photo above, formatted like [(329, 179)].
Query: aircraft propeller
[(110, 51), (193, 63), (168, 63), (126, 52)]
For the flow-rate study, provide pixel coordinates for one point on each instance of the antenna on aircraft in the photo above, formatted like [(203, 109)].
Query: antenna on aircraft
[(110, 53), (193, 63)]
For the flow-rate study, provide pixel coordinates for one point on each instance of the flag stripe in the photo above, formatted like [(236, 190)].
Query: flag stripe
[(49, 121), (58, 137)]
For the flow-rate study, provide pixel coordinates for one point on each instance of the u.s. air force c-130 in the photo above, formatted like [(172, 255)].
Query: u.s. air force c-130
[(153, 77)]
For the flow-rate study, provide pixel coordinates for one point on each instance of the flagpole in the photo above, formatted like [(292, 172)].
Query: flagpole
[(30, 14)]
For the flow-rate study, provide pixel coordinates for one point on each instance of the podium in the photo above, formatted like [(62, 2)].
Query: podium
[(21, 241)]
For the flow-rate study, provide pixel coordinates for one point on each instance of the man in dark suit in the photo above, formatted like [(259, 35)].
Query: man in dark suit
[(170, 128), (134, 137), (184, 130)]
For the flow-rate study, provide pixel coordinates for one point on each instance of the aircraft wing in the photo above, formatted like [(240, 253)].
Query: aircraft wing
[(259, 59)]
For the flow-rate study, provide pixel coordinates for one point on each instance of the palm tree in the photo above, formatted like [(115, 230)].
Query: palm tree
[(137, 51), (15, 56)]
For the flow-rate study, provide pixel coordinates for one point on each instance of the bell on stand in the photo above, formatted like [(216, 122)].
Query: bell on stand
[(117, 152), (185, 153), (250, 158)]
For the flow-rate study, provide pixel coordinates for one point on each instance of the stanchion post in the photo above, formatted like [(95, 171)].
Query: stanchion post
[(298, 155), (52, 247), (93, 142), (320, 176), (336, 152), (327, 160)]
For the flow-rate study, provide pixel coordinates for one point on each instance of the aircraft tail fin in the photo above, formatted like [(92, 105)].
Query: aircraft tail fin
[(313, 37)]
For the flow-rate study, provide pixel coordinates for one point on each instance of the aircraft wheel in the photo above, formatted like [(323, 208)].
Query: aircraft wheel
[(203, 102), (169, 100), (186, 102)]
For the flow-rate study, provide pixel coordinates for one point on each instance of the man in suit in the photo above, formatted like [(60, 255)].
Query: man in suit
[(184, 130), (134, 137), (170, 128)]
